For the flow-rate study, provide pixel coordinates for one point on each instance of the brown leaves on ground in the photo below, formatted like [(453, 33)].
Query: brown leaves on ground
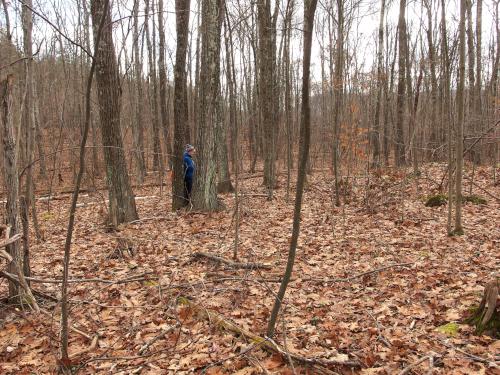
[(387, 320)]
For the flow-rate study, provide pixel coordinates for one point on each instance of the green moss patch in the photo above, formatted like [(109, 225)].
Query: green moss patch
[(449, 329), (436, 200)]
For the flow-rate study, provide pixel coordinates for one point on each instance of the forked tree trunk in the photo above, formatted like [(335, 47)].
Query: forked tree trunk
[(121, 198)]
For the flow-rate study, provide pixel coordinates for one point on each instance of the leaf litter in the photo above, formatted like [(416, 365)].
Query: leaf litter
[(386, 320)]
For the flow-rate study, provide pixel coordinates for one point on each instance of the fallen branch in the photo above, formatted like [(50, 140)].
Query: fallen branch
[(472, 356), (230, 263), (412, 366), (482, 189), (161, 335), (266, 342), (142, 277)]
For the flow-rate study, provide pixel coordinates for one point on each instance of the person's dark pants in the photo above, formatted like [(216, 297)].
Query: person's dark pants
[(188, 186)]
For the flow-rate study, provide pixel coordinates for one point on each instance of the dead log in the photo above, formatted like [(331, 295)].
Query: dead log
[(230, 263)]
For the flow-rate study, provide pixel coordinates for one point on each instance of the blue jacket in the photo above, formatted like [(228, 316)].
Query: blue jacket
[(189, 167)]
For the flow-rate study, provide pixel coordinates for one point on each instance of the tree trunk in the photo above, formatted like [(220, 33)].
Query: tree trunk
[(138, 127), (380, 85), (205, 189), (163, 87), (121, 198), (477, 94), (153, 96), (266, 89), (400, 149), (8, 32), (11, 178), (434, 86), (182, 8), (305, 137), (458, 230)]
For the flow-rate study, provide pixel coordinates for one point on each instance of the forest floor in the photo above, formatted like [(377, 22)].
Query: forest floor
[(385, 321)]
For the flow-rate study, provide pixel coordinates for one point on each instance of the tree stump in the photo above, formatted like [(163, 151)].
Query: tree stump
[(486, 317)]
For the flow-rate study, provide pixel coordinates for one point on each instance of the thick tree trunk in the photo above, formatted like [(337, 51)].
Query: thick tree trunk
[(11, 178), (205, 189), (180, 101), (121, 198), (266, 89)]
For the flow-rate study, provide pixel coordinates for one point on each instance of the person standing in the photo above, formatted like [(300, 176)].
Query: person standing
[(189, 168)]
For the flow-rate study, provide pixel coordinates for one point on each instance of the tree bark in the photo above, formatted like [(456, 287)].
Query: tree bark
[(163, 87), (266, 60), (138, 126), (153, 93), (305, 135), (182, 8), (458, 230), (11, 178), (400, 149), (380, 85), (121, 198), (205, 189)]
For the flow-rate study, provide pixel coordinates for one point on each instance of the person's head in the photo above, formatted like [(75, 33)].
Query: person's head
[(190, 149)]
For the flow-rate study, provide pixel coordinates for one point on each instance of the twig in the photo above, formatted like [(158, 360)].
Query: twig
[(104, 281), (412, 366), (471, 356), (482, 189), (161, 335), (71, 327)]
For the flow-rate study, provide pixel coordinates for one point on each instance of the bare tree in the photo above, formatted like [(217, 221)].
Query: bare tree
[(138, 127), (121, 198), (11, 179), (205, 189), (182, 8), (305, 136), (458, 230), (399, 139), (267, 53), (163, 85), (380, 86)]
